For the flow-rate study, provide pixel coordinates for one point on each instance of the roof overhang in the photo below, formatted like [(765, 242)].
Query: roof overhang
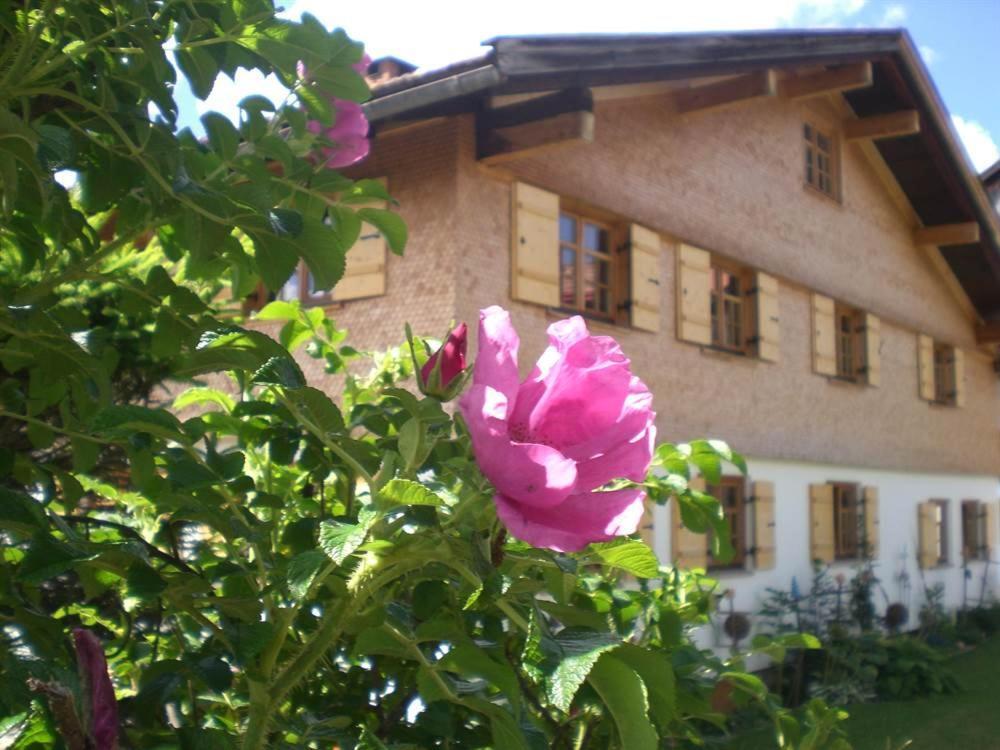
[(930, 166)]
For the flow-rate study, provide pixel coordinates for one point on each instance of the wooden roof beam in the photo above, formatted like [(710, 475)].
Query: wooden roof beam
[(831, 81), (963, 233), (524, 128), (988, 333), (892, 125), (726, 92)]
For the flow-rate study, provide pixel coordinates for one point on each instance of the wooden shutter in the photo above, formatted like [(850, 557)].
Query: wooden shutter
[(687, 548), (824, 335), (925, 367), (768, 320), (763, 525), (364, 265), (821, 541), (927, 532), (644, 278), (869, 496), (990, 533), (694, 299), (534, 256), (873, 359), (959, 359)]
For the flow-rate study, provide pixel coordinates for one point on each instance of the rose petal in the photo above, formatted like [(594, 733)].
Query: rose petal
[(347, 152), (103, 707), (536, 475), (578, 521), (496, 362)]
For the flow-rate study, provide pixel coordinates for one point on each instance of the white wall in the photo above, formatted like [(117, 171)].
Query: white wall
[(899, 494)]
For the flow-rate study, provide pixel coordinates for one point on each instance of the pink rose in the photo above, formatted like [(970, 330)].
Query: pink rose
[(98, 690), (446, 364), (349, 132), (580, 420)]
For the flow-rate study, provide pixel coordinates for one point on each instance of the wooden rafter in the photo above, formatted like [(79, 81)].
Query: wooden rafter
[(831, 81), (988, 333), (963, 233), (516, 130), (892, 125), (726, 92)]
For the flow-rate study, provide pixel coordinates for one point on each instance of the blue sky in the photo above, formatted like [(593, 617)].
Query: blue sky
[(957, 38)]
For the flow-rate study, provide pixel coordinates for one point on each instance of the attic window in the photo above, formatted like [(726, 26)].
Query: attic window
[(821, 172)]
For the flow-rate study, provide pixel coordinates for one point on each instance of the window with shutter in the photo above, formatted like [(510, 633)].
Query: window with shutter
[(847, 522), (535, 246), (821, 523), (869, 510), (694, 317), (927, 535), (731, 494), (644, 277), (973, 528), (763, 525), (687, 548), (824, 335), (767, 319), (872, 347), (925, 367)]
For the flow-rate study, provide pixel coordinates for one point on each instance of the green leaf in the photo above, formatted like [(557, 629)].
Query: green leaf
[(144, 582), (411, 438), (302, 571), (200, 68), (123, 420), (47, 557), (657, 673), (471, 661), (231, 348), (630, 555), (398, 492), (340, 540), (222, 135), (203, 395), (317, 407), (279, 310), (389, 223), (281, 371), (624, 693), (578, 653), (21, 513)]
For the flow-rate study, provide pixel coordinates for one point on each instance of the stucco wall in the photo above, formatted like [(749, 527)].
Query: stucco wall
[(899, 494), (731, 182)]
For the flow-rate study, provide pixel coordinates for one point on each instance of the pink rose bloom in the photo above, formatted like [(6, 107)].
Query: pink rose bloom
[(349, 132), (580, 420), (98, 690)]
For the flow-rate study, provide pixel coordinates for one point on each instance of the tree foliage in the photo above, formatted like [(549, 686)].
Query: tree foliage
[(267, 565)]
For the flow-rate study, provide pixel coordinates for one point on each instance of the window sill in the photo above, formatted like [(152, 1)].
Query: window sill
[(593, 321), (840, 380), (813, 190), (719, 352), (728, 572)]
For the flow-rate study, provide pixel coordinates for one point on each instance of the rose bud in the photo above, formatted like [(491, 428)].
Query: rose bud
[(442, 376)]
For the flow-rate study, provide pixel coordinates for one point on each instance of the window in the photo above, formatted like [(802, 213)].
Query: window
[(586, 267), (973, 530), (850, 342), (940, 521), (846, 521), (729, 287), (945, 390), (821, 171), (731, 494)]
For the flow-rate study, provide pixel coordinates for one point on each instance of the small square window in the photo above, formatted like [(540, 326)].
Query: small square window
[(820, 161), (586, 266)]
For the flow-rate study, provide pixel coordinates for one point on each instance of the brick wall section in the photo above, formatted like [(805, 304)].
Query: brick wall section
[(731, 181), (420, 165)]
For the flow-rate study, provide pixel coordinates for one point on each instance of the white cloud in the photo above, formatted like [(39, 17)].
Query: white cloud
[(929, 54), (979, 144), (894, 15), (412, 34)]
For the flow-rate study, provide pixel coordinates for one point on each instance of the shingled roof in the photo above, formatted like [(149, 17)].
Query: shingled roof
[(930, 166)]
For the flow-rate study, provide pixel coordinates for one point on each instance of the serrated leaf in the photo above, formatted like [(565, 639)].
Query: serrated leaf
[(390, 224), (202, 395), (282, 370), (317, 407), (340, 540), (21, 513), (578, 653), (632, 556), (123, 420), (302, 571), (398, 492), (624, 693), (222, 135), (657, 673)]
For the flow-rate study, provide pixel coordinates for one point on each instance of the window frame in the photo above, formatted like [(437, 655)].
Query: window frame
[(614, 229), (846, 549), (717, 306), (738, 535), (945, 376), (978, 524), (855, 358), (812, 151)]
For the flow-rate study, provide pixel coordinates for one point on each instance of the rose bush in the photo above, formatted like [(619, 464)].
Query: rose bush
[(549, 444)]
